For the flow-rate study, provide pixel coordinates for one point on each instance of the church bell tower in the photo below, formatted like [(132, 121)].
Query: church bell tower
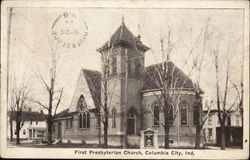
[(123, 53)]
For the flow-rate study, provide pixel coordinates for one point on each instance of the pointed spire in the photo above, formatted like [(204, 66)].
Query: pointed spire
[(123, 20)]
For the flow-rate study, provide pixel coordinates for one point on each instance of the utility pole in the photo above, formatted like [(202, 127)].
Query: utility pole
[(8, 54), (126, 100)]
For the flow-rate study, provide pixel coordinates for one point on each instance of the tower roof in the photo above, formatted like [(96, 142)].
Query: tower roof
[(123, 35)]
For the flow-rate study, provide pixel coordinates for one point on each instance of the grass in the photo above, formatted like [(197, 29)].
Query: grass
[(60, 145)]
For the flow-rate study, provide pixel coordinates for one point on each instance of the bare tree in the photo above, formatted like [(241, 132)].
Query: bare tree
[(167, 78), (223, 107), (221, 111), (107, 91), (19, 101), (239, 91), (54, 93), (198, 63)]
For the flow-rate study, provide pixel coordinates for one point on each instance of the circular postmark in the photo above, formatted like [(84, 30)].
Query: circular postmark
[(69, 30)]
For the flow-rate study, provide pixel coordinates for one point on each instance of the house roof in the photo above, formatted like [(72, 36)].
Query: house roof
[(93, 79), (123, 35), (175, 75), (215, 109), (29, 116)]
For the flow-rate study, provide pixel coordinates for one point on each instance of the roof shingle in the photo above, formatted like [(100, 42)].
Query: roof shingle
[(123, 35), (175, 75), (93, 79)]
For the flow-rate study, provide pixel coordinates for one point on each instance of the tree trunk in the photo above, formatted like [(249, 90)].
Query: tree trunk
[(166, 119), (99, 129), (222, 141), (17, 132), (198, 123), (50, 122), (198, 136), (106, 131), (11, 130), (106, 112), (166, 135), (49, 129)]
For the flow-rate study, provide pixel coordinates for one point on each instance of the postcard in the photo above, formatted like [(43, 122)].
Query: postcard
[(125, 79)]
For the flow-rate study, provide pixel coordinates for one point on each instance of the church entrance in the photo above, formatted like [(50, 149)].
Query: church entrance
[(131, 123)]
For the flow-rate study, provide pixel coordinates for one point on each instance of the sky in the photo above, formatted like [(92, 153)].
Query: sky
[(32, 27)]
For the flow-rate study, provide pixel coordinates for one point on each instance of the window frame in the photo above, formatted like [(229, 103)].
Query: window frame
[(84, 120), (113, 118), (237, 121), (186, 110), (114, 65), (210, 119), (153, 107), (210, 137)]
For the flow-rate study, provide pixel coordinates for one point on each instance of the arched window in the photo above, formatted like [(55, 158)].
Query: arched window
[(81, 103), (156, 114), (195, 115), (184, 112), (113, 118), (131, 122), (84, 120)]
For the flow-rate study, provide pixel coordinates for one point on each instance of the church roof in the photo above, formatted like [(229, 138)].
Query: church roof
[(64, 113), (93, 79), (124, 36), (174, 73)]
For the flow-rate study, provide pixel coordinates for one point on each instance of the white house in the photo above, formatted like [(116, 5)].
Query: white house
[(34, 126), (209, 129)]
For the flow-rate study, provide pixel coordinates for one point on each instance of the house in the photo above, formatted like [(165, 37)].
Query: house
[(134, 106), (34, 126), (212, 125)]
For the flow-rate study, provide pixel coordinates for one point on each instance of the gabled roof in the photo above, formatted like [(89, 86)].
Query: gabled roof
[(93, 79), (64, 113), (123, 35), (175, 75), (29, 116)]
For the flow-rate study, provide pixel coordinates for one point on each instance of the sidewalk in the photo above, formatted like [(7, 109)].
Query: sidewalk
[(227, 148)]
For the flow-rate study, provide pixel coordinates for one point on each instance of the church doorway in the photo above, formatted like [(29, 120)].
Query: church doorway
[(131, 127)]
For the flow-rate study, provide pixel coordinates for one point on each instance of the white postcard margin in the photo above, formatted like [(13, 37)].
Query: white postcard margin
[(71, 152)]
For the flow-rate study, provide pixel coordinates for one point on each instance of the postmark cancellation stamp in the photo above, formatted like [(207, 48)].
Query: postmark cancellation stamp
[(69, 30)]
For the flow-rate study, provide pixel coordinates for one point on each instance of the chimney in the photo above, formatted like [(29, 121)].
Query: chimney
[(41, 111), (29, 109)]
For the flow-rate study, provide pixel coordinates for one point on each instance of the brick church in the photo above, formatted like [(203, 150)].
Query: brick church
[(134, 106)]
